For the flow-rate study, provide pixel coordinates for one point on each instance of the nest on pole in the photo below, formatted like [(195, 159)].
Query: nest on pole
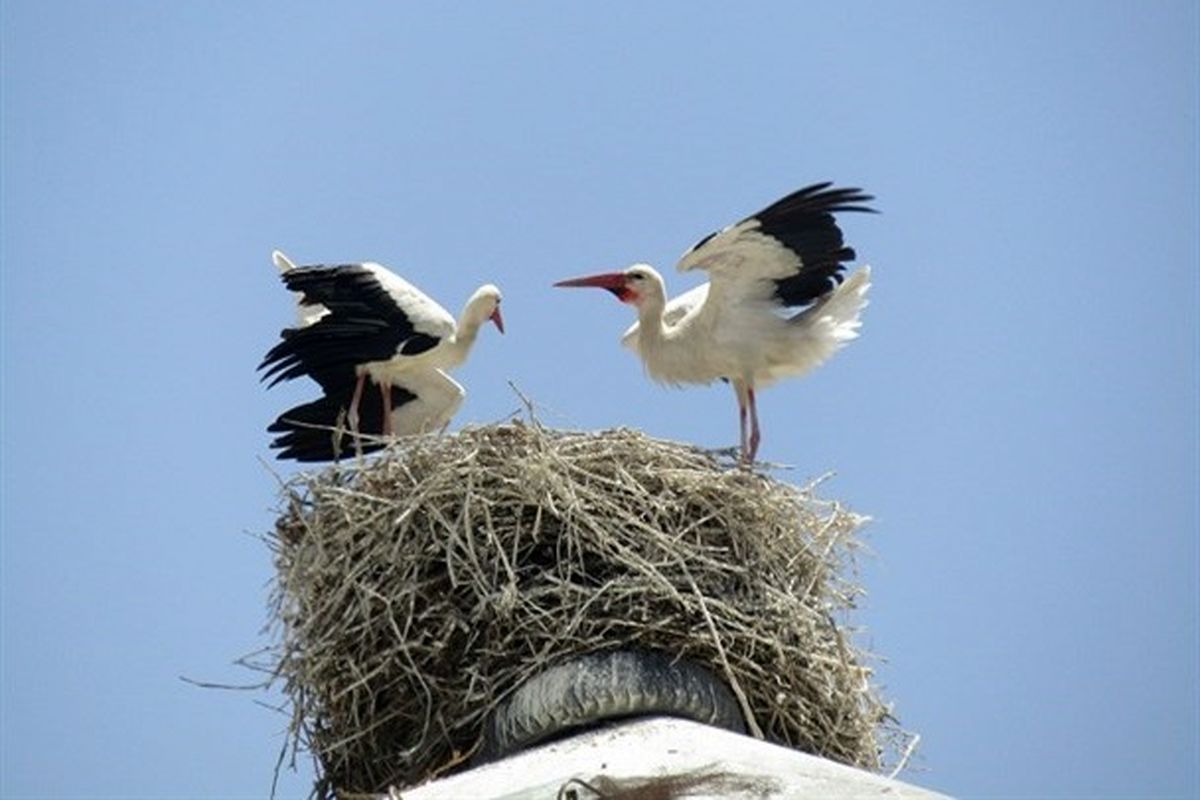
[(417, 590)]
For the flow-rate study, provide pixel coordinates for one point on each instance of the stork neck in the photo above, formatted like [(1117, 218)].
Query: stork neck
[(464, 338), (650, 317)]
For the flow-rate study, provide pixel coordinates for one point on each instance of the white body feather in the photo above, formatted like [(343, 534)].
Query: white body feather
[(438, 398)]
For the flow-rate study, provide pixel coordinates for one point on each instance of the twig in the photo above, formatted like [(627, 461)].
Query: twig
[(913, 741), (734, 684)]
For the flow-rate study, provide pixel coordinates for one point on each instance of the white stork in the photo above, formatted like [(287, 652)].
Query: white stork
[(360, 324), (774, 305)]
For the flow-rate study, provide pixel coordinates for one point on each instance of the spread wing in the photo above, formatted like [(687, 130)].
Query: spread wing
[(789, 254), (371, 314)]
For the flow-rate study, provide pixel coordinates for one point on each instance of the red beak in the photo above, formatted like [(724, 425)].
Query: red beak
[(497, 319), (606, 280)]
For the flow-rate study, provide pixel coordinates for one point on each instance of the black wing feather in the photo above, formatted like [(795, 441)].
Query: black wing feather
[(804, 223)]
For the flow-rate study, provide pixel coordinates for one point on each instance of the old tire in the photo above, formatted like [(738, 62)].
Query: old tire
[(602, 687)]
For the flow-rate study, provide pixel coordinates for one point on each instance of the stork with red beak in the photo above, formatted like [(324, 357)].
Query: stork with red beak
[(774, 306), (360, 324)]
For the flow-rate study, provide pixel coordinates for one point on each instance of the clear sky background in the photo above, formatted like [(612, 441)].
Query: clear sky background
[(1019, 416)]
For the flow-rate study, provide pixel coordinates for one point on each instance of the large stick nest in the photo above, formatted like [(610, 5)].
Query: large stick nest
[(417, 590)]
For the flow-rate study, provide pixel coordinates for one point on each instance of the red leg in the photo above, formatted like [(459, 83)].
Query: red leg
[(739, 389), (755, 434), (386, 390), (742, 426), (354, 401)]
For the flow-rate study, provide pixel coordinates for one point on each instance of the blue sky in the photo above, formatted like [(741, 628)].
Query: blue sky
[(1019, 416)]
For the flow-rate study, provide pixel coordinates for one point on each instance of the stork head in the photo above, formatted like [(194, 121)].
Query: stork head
[(635, 285), (484, 305)]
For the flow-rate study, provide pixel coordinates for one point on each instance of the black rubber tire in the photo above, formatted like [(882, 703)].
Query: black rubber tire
[(602, 687)]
